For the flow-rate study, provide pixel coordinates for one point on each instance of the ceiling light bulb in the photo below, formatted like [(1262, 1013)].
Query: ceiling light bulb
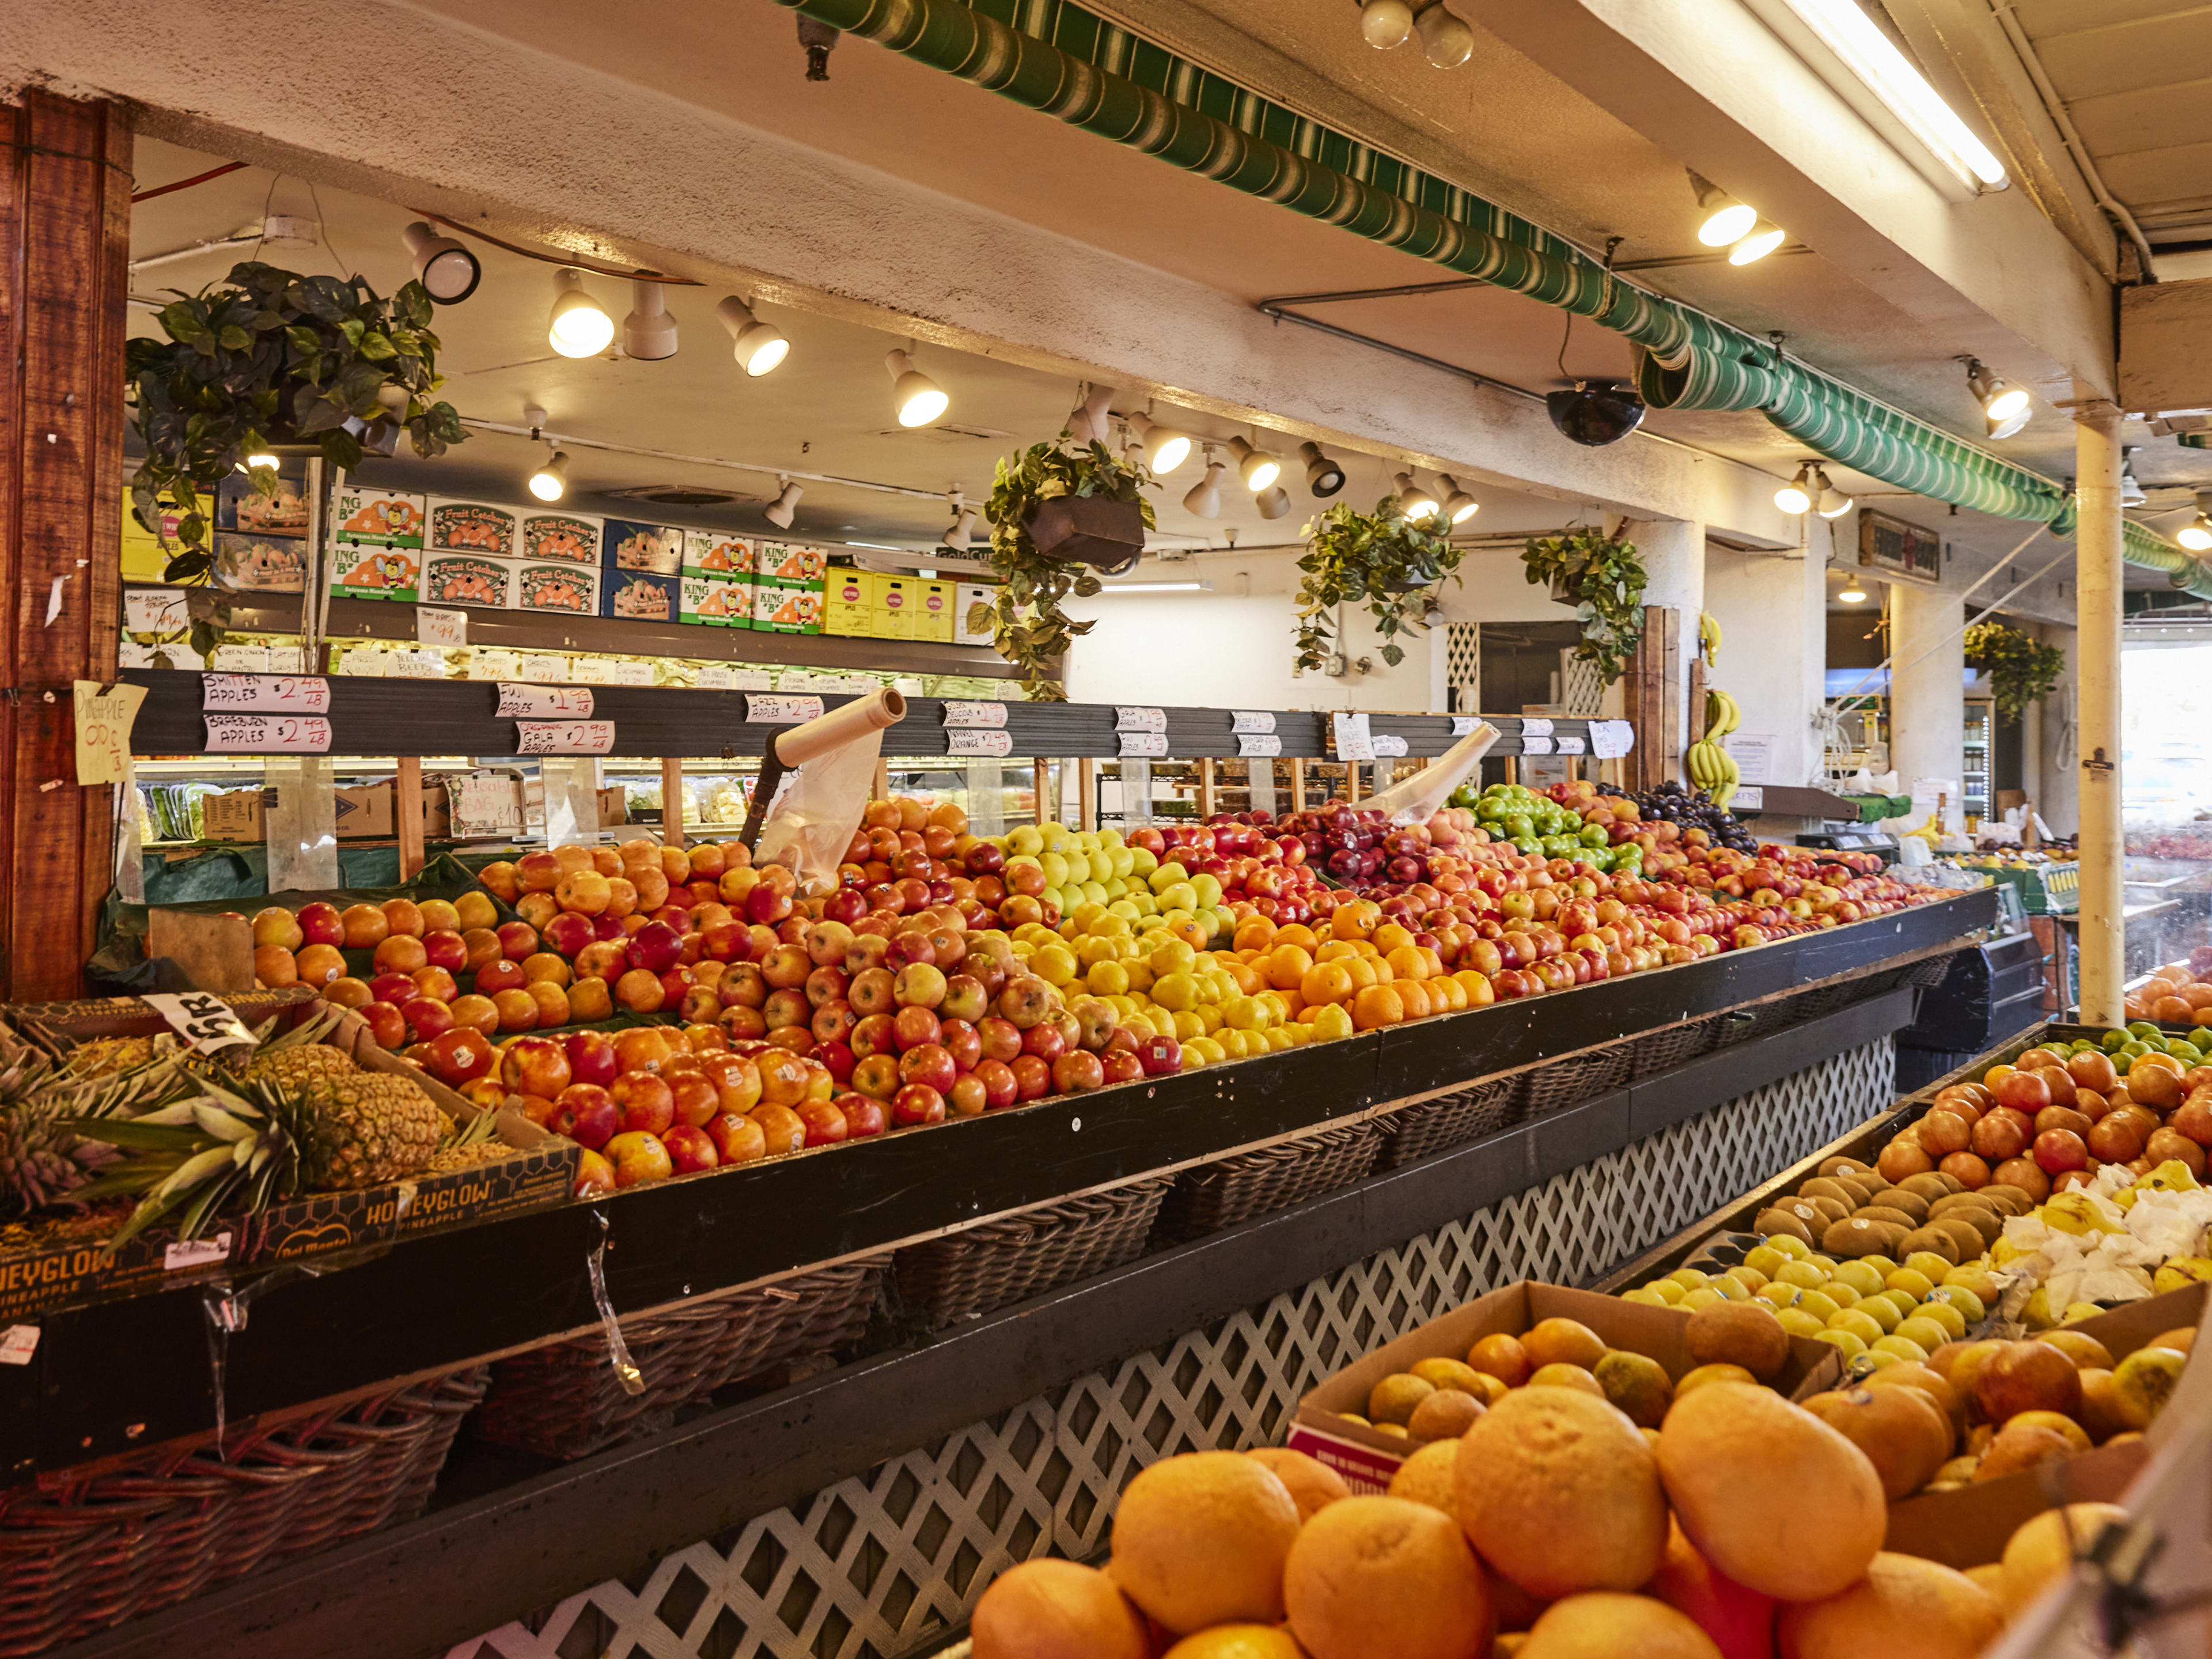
[(1256, 467), (2005, 407), (2131, 489), (1852, 594), (2196, 534), (550, 482), (1385, 23), (648, 332), (1795, 497), (1446, 42), (779, 512), (254, 461), (449, 273), (1324, 477), (1205, 497), (1726, 220), (1090, 422), (758, 348), (1165, 448), (1892, 77), (1459, 506), (1832, 504), (577, 327), (1415, 502), (919, 399), (1763, 238), (1274, 503)]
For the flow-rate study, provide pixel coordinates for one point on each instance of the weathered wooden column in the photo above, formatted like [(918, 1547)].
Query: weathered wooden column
[(64, 247)]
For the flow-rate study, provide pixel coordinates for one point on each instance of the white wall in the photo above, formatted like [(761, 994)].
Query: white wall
[(2055, 782), (1773, 647), (1927, 685)]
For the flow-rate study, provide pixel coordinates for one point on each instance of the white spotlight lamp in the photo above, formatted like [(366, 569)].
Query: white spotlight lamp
[(1165, 448), (1726, 220), (2004, 405), (1854, 593), (550, 482), (1256, 467), (2196, 534), (449, 273), (779, 511), (919, 399), (1204, 499), (648, 332), (1415, 502), (1796, 496), (1762, 239), (1829, 502), (579, 326), (757, 347), (1459, 506), (1274, 502), (1323, 476)]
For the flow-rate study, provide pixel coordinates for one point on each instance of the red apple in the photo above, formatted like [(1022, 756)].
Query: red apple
[(426, 1020), (535, 1066), (656, 947), (928, 1063), (1001, 1038), (386, 1025), (1032, 1076), (646, 1102), (1159, 1056), (461, 1056), (1078, 1072), (824, 1120), (998, 1080), (877, 1076), (586, 1114), (321, 924), (917, 1103), (912, 1027), (962, 1042), (690, 1149), (639, 1158), (737, 1137)]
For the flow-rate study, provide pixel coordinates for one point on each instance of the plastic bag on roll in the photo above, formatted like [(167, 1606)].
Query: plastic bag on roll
[(811, 822), (1413, 799)]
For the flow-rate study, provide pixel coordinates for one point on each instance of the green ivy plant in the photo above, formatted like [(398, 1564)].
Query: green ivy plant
[(268, 356), (1603, 579), (1383, 559), (2022, 670), (1027, 625)]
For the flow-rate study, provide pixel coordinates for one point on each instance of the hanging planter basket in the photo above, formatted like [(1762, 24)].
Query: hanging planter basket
[(1107, 535)]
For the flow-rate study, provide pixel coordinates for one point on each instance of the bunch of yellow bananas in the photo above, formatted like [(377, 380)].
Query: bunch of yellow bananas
[(1709, 637), (1712, 768)]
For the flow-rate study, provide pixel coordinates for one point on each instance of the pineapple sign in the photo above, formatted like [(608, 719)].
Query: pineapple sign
[(208, 1022)]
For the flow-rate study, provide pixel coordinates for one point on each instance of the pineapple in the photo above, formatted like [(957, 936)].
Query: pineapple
[(106, 1056), (297, 1068), (364, 1128)]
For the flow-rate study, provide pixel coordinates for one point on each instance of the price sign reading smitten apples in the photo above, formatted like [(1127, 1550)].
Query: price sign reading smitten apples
[(276, 694), (564, 736), (267, 734)]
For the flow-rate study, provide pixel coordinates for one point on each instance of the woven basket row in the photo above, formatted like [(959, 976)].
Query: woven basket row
[(79, 1554), (970, 1273)]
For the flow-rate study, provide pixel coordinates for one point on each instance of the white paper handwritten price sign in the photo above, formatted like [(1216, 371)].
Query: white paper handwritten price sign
[(633, 673), (1140, 720), (1251, 722), (1259, 745), (1567, 745), (1749, 800), (1535, 745), (1611, 739), (434, 627), (1388, 746), (564, 736), (267, 734), (277, 694), (780, 709), (1463, 725), (1353, 742), (208, 1022), (975, 713), (716, 679), (544, 668), (979, 740), (1143, 746), (154, 610), (1534, 726), (558, 702)]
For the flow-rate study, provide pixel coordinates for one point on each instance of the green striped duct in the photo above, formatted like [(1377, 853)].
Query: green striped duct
[(1054, 57)]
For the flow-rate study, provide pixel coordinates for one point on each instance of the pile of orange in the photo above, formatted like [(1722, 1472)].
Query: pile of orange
[(1367, 966)]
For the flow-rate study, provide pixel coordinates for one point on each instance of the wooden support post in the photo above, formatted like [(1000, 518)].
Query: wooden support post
[(1206, 787), (1513, 768), (1351, 782), (407, 816), (1086, 793), (2098, 548), (672, 800), (1042, 771), (64, 240), (1297, 785)]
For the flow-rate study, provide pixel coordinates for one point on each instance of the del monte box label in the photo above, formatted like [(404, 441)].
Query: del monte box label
[(473, 528), (560, 536)]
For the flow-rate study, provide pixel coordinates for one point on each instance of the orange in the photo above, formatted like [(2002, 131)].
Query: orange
[(1376, 1004), (1453, 993), (1191, 932), (1362, 970), (1358, 920), (1299, 934), (1288, 966), (1202, 1538), (1049, 1609), (1392, 936), (1244, 978), (1431, 963), (1325, 981), (1405, 963), (1415, 997), (1255, 933), (1478, 987), (2162, 1059)]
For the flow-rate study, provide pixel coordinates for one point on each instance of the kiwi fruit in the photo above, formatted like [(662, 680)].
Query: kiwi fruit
[(1770, 1221), (1930, 1238), (1807, 1213), (1884, 1213), (1950, 1181), (1911, 1204), (1848, 1194), (1928, 1188), (1951, 1201), (2010, 1200), (1856, 1237), (1843, 1166), (1829, 1208), (1966, 1234)]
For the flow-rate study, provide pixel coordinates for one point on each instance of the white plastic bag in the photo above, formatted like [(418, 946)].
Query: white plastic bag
[(1413, 799), (809, 827)]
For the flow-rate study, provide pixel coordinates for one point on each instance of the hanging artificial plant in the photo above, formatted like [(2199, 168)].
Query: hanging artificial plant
[(1601, 577), (1027, 625), (1383, 559), (2022, 670), (268, 360)]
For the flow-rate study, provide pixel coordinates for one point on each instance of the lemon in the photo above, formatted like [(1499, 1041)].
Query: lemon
[(1858, 1323), (1766, 1259), (1668, 1292), (1915, 1284), (1802, 1275), (1903, 1348), (1779, 1294), (1819, 1303), (1798, 1323), (1644, 1296), (1704, 1296), (1929, 1264), (1688, 1278), (1842, 1294), (1924, 1333), (1850, 1342), (1790, 1245), (1938, 1311)]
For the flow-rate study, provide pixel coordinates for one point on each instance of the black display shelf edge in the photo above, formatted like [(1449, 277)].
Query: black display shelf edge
[(425, 1586)]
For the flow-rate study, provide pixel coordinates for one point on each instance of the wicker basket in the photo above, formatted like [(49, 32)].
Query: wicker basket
[(79, 1554), (1677, 1045), (565, 1399), (1433, 1126), (972, 1272), (1825, 1000), (1560, 1084), (1743, 1024), (1245, 1184)]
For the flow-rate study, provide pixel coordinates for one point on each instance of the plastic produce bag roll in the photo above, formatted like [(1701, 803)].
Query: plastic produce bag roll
[(833, 760), (1414, 799)]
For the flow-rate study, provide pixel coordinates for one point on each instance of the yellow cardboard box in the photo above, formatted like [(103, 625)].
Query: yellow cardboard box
[(933, 614), (895, 606), (849, 603)]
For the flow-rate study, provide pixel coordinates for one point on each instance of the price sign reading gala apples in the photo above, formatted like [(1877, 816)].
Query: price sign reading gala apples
[(780, 708), (978, 740), (564, 736), (267, 734), (557, 702), (974, 714)]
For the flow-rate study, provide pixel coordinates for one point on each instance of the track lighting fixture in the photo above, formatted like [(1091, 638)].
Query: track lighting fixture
[(1415, 502), (2196, 534), (1445, 41), (758, 348), (1385, 24), (578, 327), (1165, 448), (1459, 506), (779, 512), (919, 399), (961, 537), (648, 332), (1090, 422), (1256, 467), (1324, 477), (449, 273), (2131, 489), (1762, 239), (1726, 220), (1204, 499), (550, 482), (2005, 407), (1796, 497), (1830, 502), (1854, 591), (1274, 502)]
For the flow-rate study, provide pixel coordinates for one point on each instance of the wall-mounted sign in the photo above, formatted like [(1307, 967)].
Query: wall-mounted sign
[(1897, 549)]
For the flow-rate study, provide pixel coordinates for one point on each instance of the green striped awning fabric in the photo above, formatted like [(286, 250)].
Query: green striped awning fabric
[(1054, 57)]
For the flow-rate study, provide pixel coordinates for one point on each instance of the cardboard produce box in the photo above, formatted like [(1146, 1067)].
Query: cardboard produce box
[(849, 603), (653, 549), (371, 813), (234, 815), (561, 537), (479, 528), (640, 595), (934, 619), (966, 597), (893, 617), (1367, 1459), (714, 553), (468, 579)]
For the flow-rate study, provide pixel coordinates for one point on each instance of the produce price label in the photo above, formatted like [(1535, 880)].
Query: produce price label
[(1143, 744), (633, 673), (563, 702), (593, 671), (194, 1253), (750, 679), (1140, 720), (363, 663), (1463, 725), (716, 679), (1388, 746), (420, 664), (1535, 745), (1353, 741), (154, 610), (17, 1344), (104, 714), (979, 740), (267, 734), (1567, 745), (1259, 746), (208, 1022), (780, 709), (564, 736), (543, 668), (1534, 726), (1611, 739), (1750, 799), (240, 659), (436, 627), (975, 713), (494, 665), (1251, 722), (279, 694)]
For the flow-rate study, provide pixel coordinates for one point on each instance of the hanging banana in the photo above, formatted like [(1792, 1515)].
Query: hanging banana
[(1712, 768), (1709, 637)]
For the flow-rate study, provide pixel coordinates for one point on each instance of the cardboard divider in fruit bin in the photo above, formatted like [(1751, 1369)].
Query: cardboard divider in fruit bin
[(1367, 1458)]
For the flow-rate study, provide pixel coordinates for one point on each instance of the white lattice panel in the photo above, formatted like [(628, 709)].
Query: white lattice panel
[(879, 1566)]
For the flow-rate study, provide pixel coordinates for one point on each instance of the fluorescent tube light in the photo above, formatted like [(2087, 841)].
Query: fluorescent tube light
[(1889, 75)]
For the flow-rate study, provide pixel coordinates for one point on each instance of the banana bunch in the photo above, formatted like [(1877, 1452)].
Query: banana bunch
[(1712, 768), (1709, 637)]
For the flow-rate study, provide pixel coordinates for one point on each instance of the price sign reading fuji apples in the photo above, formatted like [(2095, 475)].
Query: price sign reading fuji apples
[(978, 740), (267, 734), (780, 709), (564, 736), (553, 702), (276, 694)]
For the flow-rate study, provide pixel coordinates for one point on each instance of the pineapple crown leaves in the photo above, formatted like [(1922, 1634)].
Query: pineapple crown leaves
[(1369, 558), (192, 1156)]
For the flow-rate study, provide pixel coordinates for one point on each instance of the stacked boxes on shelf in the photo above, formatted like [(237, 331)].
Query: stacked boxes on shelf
[(559, 570), (376, 544), (471, 555), (788, 587), (718, 579), (869, 604), (642, 577)]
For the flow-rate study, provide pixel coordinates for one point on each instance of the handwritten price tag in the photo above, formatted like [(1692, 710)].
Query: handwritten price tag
[(267, 734), (1567, 745), (1539, 745), (17, 1344), (1143, 744), (633, 673), (154, 610), (1749, 800), (780, 709), (434, 627), (1611, 739), (194, 1253), (419, 665), (543, 668), (564, 736), (240, 659), (562, 703), (1253, 722), (278, 694), (208, 1022), (104, 714), (1463, 725), (750, 679), (592, 671), (979, 740), (716, 679), (975, 713), (494, 665), (1353, 742), (1259, 746), (1534, 726), (365, 662), (1140, 720), (1387, 746)]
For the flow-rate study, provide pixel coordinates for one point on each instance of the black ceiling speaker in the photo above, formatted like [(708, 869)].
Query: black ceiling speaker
[(1595, 413)]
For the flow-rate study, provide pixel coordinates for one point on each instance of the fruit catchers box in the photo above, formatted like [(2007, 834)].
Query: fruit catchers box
[(1367, 1458)]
